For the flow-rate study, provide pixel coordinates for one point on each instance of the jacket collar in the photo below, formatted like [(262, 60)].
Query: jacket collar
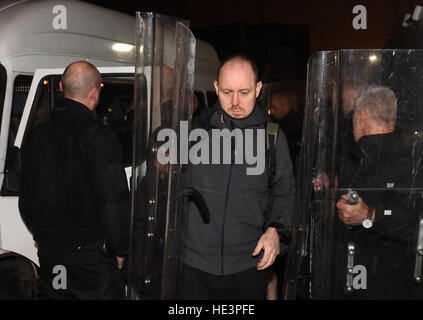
[(371, 145), (221, 120), (76, 106)]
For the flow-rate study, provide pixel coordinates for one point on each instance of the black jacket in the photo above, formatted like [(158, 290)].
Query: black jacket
[(388, 180), (237, 203), (385, 178), (73, 185)]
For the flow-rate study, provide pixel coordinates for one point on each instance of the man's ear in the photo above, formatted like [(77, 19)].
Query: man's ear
[(93, 98), (216, 87), (60, 86), (364, 114), (259, 85)]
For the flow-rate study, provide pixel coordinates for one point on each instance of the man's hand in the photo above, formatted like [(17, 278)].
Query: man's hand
[(120, 261), (352, 215), (269, 242), (321, 182)]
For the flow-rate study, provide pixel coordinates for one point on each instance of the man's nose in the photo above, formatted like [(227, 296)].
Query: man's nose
[(235, 99)]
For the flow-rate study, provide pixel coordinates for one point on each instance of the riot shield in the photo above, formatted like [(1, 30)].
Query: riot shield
[(163, 100), (358, 232)]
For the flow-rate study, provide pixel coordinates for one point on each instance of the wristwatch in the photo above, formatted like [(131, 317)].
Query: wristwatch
[(368, 222)]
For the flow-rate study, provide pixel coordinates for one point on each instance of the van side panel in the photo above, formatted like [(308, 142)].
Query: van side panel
[(14, 236)]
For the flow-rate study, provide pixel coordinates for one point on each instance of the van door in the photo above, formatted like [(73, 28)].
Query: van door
[(44, 95)]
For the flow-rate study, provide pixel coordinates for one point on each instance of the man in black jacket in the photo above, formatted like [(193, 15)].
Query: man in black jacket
[(228, 256), (74, 195), (384, 220)]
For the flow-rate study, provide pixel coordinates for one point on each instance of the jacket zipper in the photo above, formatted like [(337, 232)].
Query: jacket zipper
[(224, 217), (226, 204)]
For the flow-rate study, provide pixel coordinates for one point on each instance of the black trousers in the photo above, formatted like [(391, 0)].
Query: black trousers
[(80, 273), (194, 284)]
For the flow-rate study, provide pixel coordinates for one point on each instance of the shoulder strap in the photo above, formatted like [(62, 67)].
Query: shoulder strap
[(272, 130)]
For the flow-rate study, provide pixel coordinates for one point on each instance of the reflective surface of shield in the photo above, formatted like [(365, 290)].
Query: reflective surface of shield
[(358, 231), (163, 98)]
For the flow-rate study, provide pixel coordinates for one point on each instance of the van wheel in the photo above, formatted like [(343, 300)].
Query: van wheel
[(18, 278)]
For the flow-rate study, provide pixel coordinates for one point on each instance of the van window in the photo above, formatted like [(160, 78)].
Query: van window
[(115, 108), (48, 95), (20, 93), (3, 79), (21, 87)]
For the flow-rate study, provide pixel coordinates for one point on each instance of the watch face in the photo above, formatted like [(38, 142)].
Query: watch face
[(367, 223)]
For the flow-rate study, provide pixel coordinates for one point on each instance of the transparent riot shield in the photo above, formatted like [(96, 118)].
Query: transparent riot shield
[(164, 80), (358, 231)]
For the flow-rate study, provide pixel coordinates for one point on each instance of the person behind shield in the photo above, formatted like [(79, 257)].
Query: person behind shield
[(347, 151), (382, 221), (74, 195), (285, 110)]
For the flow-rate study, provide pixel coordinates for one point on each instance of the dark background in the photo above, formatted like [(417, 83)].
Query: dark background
[(279, 35)]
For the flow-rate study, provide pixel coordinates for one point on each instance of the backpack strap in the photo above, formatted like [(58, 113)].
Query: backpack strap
[(272, 130)]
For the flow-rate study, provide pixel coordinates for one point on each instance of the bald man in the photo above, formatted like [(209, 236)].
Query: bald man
[(74, 195), (229, 257), (281, 104)]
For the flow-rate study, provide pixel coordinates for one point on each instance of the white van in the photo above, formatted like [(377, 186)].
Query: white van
[(38, 39)]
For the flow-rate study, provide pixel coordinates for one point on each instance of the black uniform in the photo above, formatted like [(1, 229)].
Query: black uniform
[(75, 200), (386, 179), (291, 124)]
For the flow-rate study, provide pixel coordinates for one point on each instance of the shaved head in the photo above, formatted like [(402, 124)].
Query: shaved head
[(239, 58), (237, 87), (281, 103), (79, 79)]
